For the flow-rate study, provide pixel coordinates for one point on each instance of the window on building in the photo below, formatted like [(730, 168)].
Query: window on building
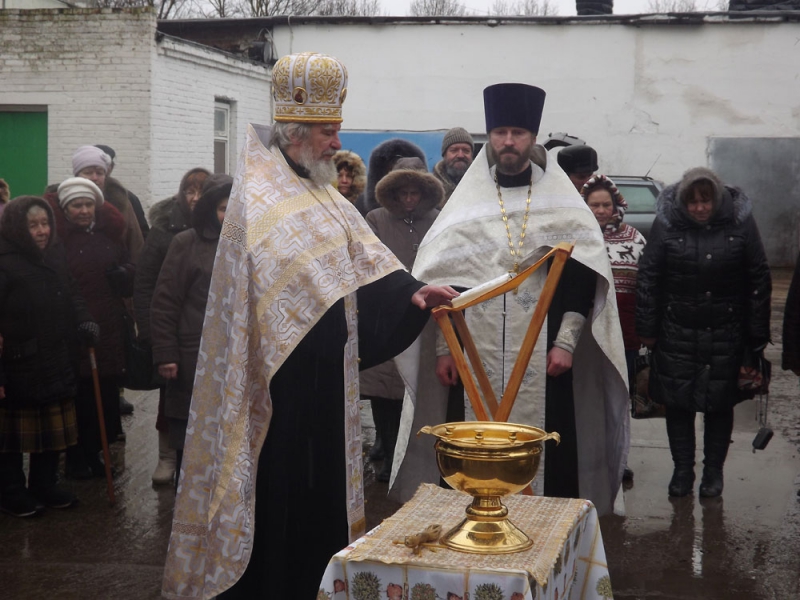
[(222, 137)]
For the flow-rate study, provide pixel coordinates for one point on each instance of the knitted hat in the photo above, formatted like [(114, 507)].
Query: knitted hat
[(513, 105), (578, 159), (457, 135), (309, 88), (89, 156), (78, 187)]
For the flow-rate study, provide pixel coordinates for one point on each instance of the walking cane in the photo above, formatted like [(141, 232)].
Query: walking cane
[(103, 439)]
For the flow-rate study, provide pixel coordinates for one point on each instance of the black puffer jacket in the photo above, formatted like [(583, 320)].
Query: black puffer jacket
[(703, 293), (40, 308)]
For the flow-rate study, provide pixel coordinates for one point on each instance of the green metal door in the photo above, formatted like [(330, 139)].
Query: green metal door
[(23, 151)]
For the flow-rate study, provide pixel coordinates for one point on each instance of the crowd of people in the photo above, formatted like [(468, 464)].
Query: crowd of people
[(81, 267)]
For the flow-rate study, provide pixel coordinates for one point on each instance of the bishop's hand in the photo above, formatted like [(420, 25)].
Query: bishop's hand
[(431, 296)]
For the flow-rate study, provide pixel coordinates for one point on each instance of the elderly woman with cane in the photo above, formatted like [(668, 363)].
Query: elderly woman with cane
[(42, 320), (92, 232)]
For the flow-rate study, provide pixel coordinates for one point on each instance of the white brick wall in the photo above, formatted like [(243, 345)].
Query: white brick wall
[(92, 69), (187, 79), (105, 80)]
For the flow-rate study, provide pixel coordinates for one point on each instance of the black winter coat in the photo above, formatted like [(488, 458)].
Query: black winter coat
[(703, 293), (40, 309)]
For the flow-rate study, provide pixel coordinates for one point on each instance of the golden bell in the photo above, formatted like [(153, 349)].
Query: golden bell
[(309, 88), (488, 460)]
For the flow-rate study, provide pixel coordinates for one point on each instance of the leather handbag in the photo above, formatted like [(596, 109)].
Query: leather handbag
[(642, 406), (140, 373)]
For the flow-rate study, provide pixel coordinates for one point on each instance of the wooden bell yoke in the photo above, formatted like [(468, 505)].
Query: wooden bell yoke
[(443, 314)]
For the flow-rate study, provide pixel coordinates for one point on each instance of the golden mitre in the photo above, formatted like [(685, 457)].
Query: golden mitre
[(309, 88)]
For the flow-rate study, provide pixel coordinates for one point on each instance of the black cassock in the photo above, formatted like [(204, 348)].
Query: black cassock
[(301, 515)]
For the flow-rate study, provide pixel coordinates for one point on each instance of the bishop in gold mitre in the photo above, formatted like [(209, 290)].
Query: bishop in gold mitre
[(303, 295)]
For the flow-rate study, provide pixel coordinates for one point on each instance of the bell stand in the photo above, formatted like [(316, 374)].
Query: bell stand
[(443, 314)]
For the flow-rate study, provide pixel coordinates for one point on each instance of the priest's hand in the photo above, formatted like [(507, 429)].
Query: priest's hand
[(168, 370), (558, 361), (431, 296), (446, 370)]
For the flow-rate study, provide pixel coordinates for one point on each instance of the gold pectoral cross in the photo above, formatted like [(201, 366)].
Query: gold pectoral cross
[(514, 272)]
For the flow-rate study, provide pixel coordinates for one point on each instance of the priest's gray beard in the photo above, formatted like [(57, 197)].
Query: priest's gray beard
[(321, 171)]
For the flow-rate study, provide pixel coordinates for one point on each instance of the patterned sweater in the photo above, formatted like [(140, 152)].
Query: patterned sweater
[(625, 245)]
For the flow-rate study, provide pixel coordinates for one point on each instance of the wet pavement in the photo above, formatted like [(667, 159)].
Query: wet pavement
[(744, 545)]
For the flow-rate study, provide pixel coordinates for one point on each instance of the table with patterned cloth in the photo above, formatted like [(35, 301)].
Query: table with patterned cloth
[(566, 562)]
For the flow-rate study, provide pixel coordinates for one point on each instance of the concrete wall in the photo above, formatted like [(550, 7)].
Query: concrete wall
[(644, 96), (91, 68), (187, 80)]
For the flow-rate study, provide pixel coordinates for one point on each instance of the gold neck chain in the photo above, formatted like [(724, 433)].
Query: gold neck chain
[(344, 224), (516, 253)]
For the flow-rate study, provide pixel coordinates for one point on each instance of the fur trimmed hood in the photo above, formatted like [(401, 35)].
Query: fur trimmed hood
[(5, 193), (731, 203), (409, 171), (381, 161), (352, 161), (14, 224)]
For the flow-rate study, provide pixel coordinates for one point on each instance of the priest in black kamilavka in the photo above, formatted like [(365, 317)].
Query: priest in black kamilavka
[(513, 203)]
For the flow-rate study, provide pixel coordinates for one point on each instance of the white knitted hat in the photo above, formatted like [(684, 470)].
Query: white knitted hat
[(78, 187)]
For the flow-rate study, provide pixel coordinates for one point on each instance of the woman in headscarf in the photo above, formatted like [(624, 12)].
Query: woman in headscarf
[(408, 197), (92, 232), (702, 305), (167, 219), (179, 305), (624, 245), (42, 318)]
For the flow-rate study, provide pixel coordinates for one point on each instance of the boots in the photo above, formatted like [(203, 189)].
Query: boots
[(43, 480), (680, 429), (716, 441), (391, 425), (165, 469)]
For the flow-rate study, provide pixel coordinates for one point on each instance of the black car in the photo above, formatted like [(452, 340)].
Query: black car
[(640, 193)]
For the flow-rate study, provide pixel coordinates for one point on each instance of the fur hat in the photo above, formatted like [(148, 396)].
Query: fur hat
[(89, 156), (457, 135), (78, 187), (409, 171), (578, 159), (351, 160), (381, 161)]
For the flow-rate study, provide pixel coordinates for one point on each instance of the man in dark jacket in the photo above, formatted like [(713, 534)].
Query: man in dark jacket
[(136, 204), (579, 163)]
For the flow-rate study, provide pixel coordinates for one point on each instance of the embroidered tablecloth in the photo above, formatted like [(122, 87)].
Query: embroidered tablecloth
[(567, 560)]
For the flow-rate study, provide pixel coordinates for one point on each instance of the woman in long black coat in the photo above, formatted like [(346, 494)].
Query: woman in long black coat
[(40, 322), (702, 303), (179, 304)]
